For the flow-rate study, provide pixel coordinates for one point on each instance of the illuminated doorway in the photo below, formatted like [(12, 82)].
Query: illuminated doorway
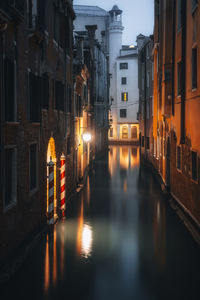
[(51, 152), (124, 132)]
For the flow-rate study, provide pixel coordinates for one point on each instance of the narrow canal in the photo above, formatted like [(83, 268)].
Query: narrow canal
[(120, 240)]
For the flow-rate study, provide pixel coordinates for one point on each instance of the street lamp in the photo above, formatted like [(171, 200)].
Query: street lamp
[(86, 136)]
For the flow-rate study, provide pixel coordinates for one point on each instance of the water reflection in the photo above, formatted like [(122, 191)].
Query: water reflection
[(87, 239), (159, 236), (84, 231), (125, 157), (54, 256), (46, 266)]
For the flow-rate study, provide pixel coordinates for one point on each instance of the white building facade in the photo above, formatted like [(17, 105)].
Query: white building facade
[(124, 92), (123, 70)]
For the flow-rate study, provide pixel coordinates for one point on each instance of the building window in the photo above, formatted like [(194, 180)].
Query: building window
[(194, 165), (33, 165), (32, 13), (124, 132), (69, 99), (111, 132), (179, 15), (122, 113), (148, 79), (142, 141), (179, 78), (59, 95), (147, 142), (123, 80), (148, 109), (123, 66), (178, 157), (194, 68), (125, 96), (134, 132), (45, 91), (10, 90), (194, 5), (10, 192), (35, 96)]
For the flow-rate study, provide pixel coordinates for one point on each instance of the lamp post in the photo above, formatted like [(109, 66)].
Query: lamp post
[(87, 137)]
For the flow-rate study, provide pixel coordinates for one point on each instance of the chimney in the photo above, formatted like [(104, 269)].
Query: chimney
[(91, 31)]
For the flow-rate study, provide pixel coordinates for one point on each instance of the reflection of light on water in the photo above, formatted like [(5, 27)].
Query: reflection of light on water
[(54, 257), (86, 247), (124, 157), (112, 160), (135, 157), (62, 257), (46, 267), (84, 236), (158, 211), (125, 186)]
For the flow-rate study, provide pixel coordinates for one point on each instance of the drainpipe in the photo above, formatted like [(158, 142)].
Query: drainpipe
[(145, 104), (173, 51), (183, 69), (3, 27)]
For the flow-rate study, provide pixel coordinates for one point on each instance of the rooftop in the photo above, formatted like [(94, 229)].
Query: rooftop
[(90, 10)]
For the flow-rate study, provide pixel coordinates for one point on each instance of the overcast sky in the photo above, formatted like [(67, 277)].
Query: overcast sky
[(137, 17)]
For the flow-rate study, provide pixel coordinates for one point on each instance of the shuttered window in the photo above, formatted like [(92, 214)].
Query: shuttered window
[(10, 193), (35, 95), (59, 95), (9, 90), (33, 166), (45, 91)]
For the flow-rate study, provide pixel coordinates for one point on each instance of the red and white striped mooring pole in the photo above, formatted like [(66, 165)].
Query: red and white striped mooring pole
[(51, 193), (62, 183)]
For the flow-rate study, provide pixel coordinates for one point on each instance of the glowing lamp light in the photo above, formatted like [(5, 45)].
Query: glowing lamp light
[(86, 137)]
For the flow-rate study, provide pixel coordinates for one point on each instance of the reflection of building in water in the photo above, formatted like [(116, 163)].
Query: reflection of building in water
[(159, 234), (126, 156)]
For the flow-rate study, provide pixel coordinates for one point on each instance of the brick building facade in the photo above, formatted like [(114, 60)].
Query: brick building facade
[(176, 101), (36, 41)]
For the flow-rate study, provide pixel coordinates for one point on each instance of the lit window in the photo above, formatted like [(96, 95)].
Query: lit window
[(124, 132), (125, 96)]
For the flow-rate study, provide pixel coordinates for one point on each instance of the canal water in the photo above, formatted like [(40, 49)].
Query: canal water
[(120, 240)]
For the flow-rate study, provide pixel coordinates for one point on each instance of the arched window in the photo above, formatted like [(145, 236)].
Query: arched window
[(124, 132)]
